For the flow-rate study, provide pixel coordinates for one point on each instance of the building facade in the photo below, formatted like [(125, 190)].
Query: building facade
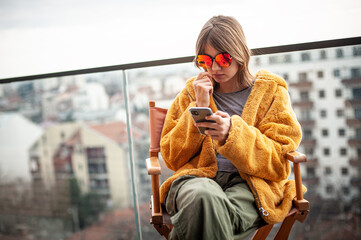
[(325, 88)]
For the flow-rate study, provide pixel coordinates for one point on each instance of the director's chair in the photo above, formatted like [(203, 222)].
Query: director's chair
[(161, 220)]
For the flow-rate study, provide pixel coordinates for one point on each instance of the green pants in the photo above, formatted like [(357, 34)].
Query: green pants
[(220, 208)]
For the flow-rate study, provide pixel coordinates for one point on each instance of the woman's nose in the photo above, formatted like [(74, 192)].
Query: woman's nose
[(215, 65)]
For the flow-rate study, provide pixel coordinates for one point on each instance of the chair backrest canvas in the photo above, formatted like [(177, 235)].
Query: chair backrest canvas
[(156, 121)]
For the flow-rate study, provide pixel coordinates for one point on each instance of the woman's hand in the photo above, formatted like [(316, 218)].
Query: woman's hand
[(203, 88), (218, 130)]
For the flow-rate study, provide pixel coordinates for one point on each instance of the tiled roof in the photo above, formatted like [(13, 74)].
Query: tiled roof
[(117, 131)]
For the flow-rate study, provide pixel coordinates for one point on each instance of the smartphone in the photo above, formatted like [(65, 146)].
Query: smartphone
[(199, 115)]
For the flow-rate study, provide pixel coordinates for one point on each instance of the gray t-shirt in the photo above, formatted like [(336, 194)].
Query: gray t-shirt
[(231, 103)]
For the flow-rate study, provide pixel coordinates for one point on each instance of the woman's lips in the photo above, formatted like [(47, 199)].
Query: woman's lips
[(217, 75)]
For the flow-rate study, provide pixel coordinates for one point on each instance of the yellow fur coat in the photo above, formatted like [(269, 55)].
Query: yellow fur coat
[(256, 144)]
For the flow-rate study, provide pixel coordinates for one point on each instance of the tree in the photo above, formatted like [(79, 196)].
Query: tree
[(88, 206)]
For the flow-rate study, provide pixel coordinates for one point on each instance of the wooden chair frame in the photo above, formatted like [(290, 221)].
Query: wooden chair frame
[(299, 211)]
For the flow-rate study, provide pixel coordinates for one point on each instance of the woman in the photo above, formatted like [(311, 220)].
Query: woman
[(232, 180)]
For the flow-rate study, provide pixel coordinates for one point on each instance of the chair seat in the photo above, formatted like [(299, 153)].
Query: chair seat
[(166, 216)]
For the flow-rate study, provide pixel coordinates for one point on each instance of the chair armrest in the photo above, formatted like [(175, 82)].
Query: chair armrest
[(301, 204), (153, 166), (154, 170), (296, 157)]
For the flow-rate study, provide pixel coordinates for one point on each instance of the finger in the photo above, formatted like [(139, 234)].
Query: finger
[(214, 117), (211, 132), (207, 125), (204, 74), (222, 114), (203, 81)]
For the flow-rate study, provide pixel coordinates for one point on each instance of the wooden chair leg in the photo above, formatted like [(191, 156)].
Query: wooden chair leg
[(163, 230), (285, 228), (262, 233)]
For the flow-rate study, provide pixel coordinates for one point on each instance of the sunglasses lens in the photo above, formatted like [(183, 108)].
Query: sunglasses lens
[(224, 60), (204, 61)]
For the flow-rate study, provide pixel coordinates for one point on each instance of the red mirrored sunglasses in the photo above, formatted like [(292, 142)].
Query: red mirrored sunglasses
[(224, 60)]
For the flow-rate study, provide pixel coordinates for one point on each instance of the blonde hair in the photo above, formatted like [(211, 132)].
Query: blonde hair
[(225, 34)]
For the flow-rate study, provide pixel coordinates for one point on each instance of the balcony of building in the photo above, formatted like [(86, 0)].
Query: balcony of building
[(355, 181), (353, 122), (310, 180), (303, 104), (355, 162), (309, 142), (352, 82), (302, 84), (354, 142), (307, 123), (353, 103), (311, 161)]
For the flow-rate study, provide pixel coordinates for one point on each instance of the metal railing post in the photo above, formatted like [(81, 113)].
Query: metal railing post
[(131, 159)]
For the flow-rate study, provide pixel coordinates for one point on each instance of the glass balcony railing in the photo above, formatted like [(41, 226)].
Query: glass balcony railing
[(73, 144)]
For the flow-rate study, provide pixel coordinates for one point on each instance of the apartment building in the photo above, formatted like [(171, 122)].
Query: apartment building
[(325, 89), (91, 154)]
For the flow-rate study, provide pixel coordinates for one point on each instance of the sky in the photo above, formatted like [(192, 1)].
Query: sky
[(44, 36)]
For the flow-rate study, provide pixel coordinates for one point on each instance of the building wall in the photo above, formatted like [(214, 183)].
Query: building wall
[(324, 78), (46, 146), (117, 169)]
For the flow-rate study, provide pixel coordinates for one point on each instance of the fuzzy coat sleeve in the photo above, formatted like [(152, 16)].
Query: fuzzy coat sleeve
[(179, 130), (259, 150)]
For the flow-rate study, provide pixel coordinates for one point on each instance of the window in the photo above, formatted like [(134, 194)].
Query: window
[(326, 151), (336, 72), (346, 190), (306, 114), (339, 112), (344, 171), (280, 59), (324, 132), (323, 54), (328, 170), (304, 96), (305, 57), (339, 53), (285, 76), (357, 113), (358, 133), (341, 132), (338, 93), (321, 93), (320, 74), (95, 152), (343, 151), (329, 188), (355, 72), (287, 58), (309, 151), (272, 60), (302, 76), (356, 93), (310, 172), (357, 51), (323, 113), (307, 133)]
